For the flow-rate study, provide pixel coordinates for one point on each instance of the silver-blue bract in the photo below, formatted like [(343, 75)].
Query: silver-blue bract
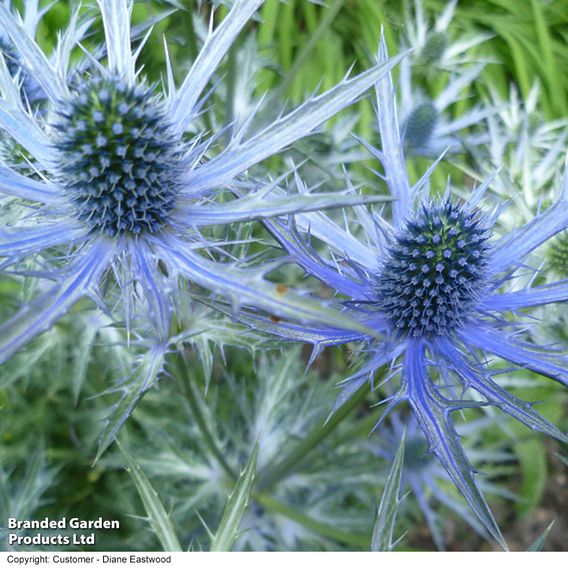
[(425, 478), (431, 284), (32, 16), (122, 189)]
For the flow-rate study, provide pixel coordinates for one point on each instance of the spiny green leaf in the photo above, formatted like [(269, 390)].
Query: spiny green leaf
[(539, 543), (385, 520), (144, 377), (157, 515), (228, 530)]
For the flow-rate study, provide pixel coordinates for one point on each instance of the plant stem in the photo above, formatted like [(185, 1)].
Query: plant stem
[(355, 539), (293, 460), (194, 398)]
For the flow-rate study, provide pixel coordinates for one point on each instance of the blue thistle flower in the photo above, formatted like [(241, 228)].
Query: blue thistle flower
[(119, 161), (427, 129), (420, 124), (431, 285), (125, 187), (433, 273), (432, 43)]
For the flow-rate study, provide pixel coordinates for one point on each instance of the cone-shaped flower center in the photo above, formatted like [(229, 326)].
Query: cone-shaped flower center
[(420, 124), (119, 159), (434, 272)]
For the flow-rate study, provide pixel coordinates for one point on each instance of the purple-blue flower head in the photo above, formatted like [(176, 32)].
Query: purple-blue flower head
[(434, 284), (120, 163), (433, 272), (124, 185)]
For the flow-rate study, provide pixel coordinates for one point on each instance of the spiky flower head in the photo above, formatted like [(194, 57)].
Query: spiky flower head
[(420, 124), (127, 183), (434, 47), (434, 272), (431, 288), (433, 43), (427, 116), (120, 161), (428, 126)]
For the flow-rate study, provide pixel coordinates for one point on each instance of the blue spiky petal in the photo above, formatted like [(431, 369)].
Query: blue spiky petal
[(124, 173), (430, 285)]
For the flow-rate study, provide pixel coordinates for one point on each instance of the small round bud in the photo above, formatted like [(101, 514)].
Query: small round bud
[(420, 124)]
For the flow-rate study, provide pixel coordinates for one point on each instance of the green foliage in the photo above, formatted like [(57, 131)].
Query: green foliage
[(157, 515), (385, 521), (219, 395), (228, 531)]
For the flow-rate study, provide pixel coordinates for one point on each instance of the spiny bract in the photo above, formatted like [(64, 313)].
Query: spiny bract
[(431, 286), (127, 179)]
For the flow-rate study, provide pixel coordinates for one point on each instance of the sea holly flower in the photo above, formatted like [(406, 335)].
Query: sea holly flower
[(125, 191), (432, 44), (427, 126), (431, 283)]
